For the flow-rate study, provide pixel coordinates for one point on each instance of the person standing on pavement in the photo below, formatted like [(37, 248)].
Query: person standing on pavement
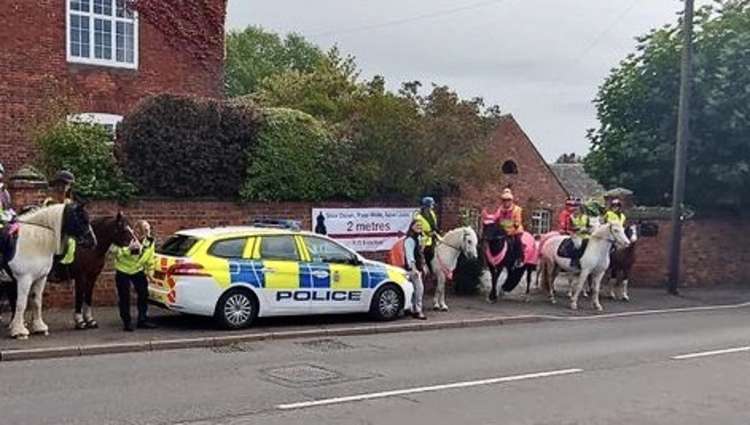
[(415, 265), (131, 265)]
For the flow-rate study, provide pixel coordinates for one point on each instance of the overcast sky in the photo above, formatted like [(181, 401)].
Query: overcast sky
[(541, 60)]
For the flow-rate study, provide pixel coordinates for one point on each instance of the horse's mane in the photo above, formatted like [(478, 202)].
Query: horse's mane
[(43, 220)]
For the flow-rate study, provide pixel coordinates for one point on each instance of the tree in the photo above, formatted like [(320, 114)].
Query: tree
[(637, 109), (87, 151), (296, 159), (326, 91), (255, 54)]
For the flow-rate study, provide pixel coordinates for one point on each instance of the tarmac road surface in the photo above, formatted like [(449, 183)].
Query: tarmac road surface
[(680, 368)]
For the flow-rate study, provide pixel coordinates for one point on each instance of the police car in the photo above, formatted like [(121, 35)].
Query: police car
[(237, 274)]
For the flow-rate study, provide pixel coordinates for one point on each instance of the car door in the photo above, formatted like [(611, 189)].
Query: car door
[(335, 275), (282, 291)]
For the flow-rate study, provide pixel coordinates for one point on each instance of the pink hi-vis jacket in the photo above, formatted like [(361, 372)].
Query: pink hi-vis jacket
[(530, 249)]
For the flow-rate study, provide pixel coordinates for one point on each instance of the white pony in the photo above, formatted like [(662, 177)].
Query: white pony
[(42, 235), (594, 262), (449, 247)]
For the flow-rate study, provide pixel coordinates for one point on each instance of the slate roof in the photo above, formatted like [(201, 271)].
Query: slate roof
[(576, 181)]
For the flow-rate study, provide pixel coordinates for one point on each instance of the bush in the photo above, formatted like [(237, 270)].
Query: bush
[(87, 151), (296, 159), (184, 147)]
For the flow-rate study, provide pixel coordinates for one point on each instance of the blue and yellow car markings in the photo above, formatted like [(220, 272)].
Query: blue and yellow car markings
[(249, 272)]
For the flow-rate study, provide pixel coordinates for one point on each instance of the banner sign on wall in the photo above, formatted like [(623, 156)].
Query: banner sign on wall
[(363, 229)]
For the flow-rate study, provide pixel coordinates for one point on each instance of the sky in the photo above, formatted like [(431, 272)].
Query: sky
[(540, 60)]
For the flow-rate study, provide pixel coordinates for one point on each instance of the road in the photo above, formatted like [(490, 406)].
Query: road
[(609, 371)]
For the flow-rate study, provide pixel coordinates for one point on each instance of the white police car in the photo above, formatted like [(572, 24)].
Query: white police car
[(236, 274)]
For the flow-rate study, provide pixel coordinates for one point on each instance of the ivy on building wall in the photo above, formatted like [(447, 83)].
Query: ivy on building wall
[(192, 26)]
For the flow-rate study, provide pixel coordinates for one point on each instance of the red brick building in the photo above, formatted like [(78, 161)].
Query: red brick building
[(522, 168), (103, 56)]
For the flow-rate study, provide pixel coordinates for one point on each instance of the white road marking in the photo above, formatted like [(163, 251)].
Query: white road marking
[(711, 353), (395, 393)]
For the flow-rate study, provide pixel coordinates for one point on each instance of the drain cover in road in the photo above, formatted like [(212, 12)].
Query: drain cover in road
[(325, 345), (308, 375)]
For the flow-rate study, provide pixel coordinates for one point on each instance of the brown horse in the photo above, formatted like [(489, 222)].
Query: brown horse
[(89, 263), (621, 262)]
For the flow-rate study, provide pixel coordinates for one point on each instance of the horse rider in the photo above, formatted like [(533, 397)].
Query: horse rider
[(563, 222), (62, 188), (614, 213), (580, 224), (428, 220), (131, 265), (510, 219), (62, 193)]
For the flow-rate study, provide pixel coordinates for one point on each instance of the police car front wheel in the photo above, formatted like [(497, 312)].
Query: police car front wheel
[(387, 303), (236, 309)]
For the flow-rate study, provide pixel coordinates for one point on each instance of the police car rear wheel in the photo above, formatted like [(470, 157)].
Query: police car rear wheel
[(387, 303), (236, 309)]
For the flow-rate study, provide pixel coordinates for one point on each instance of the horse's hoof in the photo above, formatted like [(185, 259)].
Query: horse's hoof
[(20, 336), (444, 308), (626, 298), (599, 308), (80, 326), (92, 324), (574, 306), (42, 333), (552, 301), (436, 308)]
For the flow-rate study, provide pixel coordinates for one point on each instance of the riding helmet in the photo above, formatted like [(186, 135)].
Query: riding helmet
[(428, 202), (64, 177)]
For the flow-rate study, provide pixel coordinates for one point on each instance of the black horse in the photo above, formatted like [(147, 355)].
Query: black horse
[(498, 254)]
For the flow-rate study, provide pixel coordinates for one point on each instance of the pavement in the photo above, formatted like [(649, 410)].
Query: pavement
[(178, 331), (685, 368)]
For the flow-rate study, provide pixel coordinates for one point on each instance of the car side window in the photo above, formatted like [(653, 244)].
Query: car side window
[(228, 248), (325, 251), (281, 248)]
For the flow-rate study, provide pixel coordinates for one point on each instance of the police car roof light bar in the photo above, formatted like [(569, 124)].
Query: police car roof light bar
[(278, 224)]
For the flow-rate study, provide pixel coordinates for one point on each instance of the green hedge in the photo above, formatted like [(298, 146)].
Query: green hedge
[(185, 147), (87, 151), (296, 159)]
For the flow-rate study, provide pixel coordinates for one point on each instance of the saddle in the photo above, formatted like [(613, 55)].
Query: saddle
[(567, 249)]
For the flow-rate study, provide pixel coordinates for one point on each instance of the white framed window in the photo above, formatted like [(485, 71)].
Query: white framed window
[(541, 222), (108, 121), (101, 32)]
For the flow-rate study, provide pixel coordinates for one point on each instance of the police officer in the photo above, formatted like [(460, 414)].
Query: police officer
[(428, 220), (61, 188), (131, 265)]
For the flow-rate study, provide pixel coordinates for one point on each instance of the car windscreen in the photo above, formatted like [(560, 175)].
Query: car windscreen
[(177, 245)]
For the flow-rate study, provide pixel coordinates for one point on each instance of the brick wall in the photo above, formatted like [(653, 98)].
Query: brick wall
[(33, 68), (714, 252)]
